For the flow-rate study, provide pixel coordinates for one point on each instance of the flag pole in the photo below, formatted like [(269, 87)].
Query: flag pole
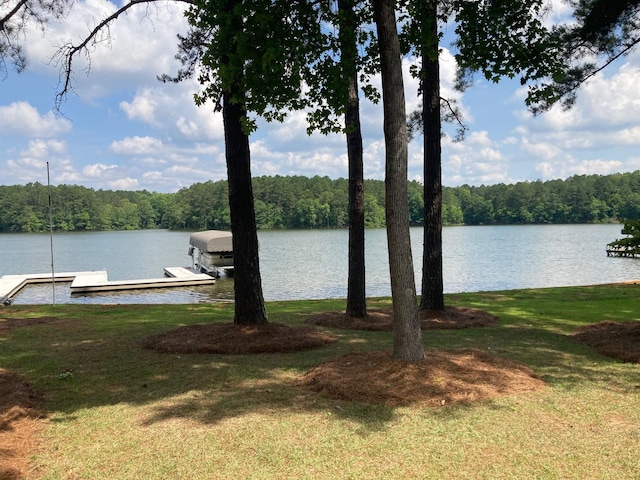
[(53, 276)]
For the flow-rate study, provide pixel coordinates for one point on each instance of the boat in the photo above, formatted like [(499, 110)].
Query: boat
[(211, 251)]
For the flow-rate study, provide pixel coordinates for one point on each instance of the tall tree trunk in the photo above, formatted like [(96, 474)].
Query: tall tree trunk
[(407, 338), (356, 291), (247, 284), (432, 284), (249, 302)]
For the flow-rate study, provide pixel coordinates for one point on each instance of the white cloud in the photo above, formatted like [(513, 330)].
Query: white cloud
[(569, 167), (560, 12), (69, 178), (627, 136), (44, 148), (143, 107), (608, 102), (25, 167), (136, 48), (477, 160), (123, 184), (597, 136), (136, 146), (542, 150), (546, 170), (599, 166), (20, 118), (30, 165), (448, 71), (170, 108), (152, 161), (480, 138), (294, 127), (188, 128), (97, 170), (192, 173)]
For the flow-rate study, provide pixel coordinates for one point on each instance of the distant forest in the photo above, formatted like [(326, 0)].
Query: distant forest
[(318, 202)]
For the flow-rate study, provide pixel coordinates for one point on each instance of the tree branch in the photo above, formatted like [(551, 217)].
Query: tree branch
[(567, 94), (10, 14), (610, 60), (454, 114), (67, 53)]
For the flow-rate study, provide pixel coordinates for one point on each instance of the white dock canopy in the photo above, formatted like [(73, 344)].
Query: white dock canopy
[(212, 241)]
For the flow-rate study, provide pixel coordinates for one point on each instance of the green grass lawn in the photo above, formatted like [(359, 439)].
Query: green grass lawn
[(118, 411)]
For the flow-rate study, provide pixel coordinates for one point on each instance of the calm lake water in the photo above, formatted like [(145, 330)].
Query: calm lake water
[(312, 264)]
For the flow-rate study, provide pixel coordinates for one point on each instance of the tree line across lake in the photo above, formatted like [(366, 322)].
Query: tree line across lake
[(318, 202)]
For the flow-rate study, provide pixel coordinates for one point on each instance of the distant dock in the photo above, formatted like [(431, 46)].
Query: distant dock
[(98, 281), (623, 252)]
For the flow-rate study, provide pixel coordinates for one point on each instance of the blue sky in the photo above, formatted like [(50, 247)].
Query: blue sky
[(122, 129)]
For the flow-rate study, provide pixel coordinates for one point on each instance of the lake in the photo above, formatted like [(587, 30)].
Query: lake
[(312, 264)]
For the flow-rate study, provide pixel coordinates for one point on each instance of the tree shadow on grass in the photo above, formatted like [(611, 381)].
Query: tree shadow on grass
[(84, 370), (276, 397), (561, 360)]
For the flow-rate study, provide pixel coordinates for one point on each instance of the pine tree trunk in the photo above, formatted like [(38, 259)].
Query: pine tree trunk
[(249, 302), (432, 283), (407, 339), (356, 289)]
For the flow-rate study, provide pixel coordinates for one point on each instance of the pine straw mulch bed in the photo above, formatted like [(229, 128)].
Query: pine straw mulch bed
[(446, 377), (620, 340), (228, 338), (20, 425), (382, 320)]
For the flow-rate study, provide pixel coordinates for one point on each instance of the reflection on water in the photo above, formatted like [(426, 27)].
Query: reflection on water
[(312, 264)]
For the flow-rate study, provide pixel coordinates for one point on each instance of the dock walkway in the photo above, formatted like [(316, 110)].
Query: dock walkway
[(10, 285), (98, 281)]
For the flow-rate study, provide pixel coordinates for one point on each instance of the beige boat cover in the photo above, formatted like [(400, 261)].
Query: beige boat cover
[(212, 241)]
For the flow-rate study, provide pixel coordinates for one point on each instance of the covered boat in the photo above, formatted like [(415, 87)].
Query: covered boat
[(211, 250)]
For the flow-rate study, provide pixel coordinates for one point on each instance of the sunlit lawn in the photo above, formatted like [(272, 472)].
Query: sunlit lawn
[(117, 411)]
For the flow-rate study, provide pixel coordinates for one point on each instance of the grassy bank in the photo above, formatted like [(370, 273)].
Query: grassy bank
[(118, 411)]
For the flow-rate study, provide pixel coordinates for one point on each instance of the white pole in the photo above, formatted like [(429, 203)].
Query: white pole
[(53, 276)]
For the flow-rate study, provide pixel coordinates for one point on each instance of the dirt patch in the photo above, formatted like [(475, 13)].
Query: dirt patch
[(378, 320), (20, 424), (446, 377), (7, 324), (619, 340), (228, 338)]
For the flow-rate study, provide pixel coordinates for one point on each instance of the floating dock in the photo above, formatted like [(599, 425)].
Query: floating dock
[(623, 252), (98, 281), (10, 285)]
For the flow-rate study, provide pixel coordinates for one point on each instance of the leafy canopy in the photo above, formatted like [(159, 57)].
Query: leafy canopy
[(258, 51), (505, 38), (351, 50)]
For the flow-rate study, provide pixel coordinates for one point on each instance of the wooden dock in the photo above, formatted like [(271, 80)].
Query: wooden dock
[(98, 281)]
